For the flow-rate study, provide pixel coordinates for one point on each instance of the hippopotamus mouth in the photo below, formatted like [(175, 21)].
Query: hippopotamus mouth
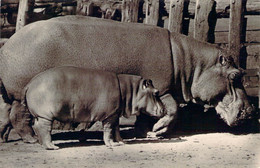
[(231, 116), (156, 114), (234, 108)]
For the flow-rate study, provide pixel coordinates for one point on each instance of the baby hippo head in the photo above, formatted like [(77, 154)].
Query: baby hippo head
[(147, 100)]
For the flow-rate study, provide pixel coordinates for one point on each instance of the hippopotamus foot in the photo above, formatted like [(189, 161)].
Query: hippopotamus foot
[(118, 137), (42, 128), (157, 133), (114, 144), (5, 133), (50, 146), (29, 139), (162, 125)]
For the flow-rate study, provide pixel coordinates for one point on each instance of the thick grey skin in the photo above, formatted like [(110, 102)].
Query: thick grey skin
[(5, 109), (70, 94), (182, 68), (14, 115)]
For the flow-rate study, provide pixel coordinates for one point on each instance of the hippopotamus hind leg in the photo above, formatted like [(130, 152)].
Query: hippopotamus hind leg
[(5, 124), (21, 121), (5, 108), (43, 129)]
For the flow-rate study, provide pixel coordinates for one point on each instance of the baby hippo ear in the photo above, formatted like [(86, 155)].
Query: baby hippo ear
[(222, 60), (147, 83)]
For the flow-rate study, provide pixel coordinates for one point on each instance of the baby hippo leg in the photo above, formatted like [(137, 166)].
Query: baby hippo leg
[(117, 134), (43, 129), (111, 134), (6, 134)]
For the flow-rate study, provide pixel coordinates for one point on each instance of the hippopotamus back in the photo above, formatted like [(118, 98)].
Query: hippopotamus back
[(89, 43), (83, 95)]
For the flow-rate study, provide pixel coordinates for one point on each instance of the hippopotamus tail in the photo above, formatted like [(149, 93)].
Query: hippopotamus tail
[(24, 100), (23, 96), (3, 93)]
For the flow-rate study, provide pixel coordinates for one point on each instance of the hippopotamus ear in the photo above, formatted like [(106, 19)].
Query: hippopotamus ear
[(147, 83)]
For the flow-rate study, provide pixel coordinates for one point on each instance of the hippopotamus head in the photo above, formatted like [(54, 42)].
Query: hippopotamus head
[(147, 100), (221, 85), (139, 96)]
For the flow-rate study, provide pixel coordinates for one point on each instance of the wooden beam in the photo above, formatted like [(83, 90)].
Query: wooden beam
[(130, 10), (235, 28), (222, 8), (202, 14), (176, 16), (152, 12), (25, 10)]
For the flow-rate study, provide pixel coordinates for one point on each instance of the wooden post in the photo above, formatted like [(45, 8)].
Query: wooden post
[(202, 13), (176, 16), (151, 12), (130, 10), (235, 28), (25, 10), (84, 8), (258, 87)]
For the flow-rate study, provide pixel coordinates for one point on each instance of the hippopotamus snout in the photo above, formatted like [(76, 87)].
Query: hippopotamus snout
[(247, 113)]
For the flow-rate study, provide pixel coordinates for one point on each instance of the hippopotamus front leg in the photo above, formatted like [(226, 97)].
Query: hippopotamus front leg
[(43, 128), (163, 125), (111, 134), (117, 135)]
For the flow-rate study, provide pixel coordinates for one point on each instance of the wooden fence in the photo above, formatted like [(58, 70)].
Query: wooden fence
[(233, 24)]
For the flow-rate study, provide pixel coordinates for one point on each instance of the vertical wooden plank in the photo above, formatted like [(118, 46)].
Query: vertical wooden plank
[(84, 8), (235, 28), (258, 73), (25, 10), (151, 12), (130, 10), (202, 13), (176, 16)]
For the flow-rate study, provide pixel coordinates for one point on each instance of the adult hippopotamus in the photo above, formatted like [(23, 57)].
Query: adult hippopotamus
[(71, 94), (182, 68)]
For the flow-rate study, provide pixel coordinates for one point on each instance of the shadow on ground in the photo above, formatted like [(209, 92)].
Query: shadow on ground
[(191, 120)]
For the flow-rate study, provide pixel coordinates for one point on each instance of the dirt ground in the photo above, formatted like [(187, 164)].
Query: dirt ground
[(196, 150)]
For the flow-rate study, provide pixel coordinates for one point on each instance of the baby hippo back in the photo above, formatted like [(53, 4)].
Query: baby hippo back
[(73, 94)]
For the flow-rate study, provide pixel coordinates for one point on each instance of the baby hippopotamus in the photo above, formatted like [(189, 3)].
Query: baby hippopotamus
[(71, 94)]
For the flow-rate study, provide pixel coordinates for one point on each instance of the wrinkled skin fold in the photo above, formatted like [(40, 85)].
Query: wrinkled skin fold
[(182, 68)]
